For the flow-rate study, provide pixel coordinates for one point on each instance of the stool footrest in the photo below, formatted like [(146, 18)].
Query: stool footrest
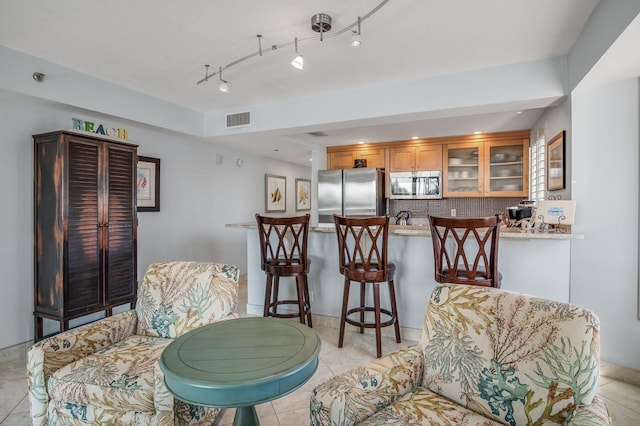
[(390, 321), (272, 305)]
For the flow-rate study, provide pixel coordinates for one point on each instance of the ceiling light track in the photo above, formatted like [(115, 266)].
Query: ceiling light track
[(320, 22)]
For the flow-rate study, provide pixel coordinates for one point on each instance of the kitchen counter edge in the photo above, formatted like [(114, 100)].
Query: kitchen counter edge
[(424, 231)]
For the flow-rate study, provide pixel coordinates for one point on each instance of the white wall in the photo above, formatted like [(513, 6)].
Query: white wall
[(604, 265), (198, 197)]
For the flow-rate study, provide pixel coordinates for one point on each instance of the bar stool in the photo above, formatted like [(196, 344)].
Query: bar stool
[(471, 257), (362, 248), (283, 253)]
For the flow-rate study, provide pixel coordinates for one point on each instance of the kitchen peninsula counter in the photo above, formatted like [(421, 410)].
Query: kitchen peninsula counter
[(425, 231), (535, 263)]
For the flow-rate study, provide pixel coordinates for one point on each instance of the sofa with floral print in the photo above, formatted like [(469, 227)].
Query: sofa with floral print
[(107, 372), (486, 357)]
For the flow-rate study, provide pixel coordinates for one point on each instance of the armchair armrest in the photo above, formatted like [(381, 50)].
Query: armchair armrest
[(596, 414), (49, 355), (351, 397)]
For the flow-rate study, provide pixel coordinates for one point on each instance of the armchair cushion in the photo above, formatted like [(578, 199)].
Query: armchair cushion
[(427, 408), (179, 296), (119, 377), (516, 359), (354, 396)]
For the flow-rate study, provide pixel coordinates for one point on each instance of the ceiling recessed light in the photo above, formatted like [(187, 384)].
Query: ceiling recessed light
[(519, 112), (415, 137), (360, 142), (477, 133)]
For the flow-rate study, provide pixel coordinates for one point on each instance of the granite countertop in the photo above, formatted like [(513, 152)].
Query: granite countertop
[(424, 231)]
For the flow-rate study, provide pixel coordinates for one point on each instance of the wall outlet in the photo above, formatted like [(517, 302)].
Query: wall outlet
[(453, 212)]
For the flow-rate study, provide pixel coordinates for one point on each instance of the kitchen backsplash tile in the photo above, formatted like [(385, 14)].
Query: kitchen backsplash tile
[(465, 207)]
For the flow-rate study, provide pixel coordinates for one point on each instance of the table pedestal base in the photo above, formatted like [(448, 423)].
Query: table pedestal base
[(246, 416)]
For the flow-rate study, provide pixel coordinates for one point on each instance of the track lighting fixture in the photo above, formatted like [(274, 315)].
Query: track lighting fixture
[(320, 23), (298, 61), (356, 40), (224, 85)]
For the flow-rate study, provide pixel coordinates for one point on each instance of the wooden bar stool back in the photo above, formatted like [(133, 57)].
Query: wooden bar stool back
[(465, 250), (362, 245), (283, 253)]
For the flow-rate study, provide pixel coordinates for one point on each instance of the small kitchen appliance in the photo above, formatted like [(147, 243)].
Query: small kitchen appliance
[(415, 185), (524, 210)]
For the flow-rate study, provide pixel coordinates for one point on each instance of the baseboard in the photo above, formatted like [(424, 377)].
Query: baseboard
[(616, 372), (409, 334), (15, 352)]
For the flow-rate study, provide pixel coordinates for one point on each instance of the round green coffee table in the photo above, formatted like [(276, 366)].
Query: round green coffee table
[(240, 363)]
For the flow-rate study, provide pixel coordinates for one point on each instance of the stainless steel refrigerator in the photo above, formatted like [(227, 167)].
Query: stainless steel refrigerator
[(350, 192)]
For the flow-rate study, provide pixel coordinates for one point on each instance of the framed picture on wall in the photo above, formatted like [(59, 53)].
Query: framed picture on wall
[(275, 188), (303, 195), (556, 163), (148, 184)]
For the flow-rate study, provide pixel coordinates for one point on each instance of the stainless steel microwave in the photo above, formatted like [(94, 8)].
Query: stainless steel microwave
[(415, 185)]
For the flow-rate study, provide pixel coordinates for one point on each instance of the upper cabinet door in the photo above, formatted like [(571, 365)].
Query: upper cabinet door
[(340, 160), (374, 157), (402, 159), (507, 168), (463, 176), (428, 157)]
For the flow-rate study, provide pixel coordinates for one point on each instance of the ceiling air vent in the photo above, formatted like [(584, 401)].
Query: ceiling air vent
[(239, 119), (317, 134)]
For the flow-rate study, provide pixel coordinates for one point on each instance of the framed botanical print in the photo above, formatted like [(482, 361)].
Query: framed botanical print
[(148, 184), (275, 188), (303, 195)]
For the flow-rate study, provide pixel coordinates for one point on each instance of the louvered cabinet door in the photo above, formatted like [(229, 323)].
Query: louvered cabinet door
[(120, 226), (83, 255)]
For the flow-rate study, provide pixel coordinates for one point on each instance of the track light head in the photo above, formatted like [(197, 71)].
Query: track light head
[(356, 40), (224, 87), (298, 61), (224, 84)]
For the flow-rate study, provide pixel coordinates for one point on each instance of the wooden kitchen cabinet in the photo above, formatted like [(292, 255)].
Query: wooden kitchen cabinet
[(415, 158), (507, 168), (85, 226), (345, 159), (463, 172), (489, 168)]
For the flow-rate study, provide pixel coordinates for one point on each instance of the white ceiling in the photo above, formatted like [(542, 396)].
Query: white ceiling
[(159, 47)]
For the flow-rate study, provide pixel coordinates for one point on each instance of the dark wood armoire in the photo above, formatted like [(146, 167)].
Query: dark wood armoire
[(85, 226)]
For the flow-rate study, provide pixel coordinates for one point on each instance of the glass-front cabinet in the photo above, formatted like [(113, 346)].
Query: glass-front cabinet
[(508, 168), (464, 170), (487, 168)]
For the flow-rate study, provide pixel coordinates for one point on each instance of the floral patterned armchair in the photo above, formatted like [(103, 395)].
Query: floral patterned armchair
[(107, 372), (486, 357)]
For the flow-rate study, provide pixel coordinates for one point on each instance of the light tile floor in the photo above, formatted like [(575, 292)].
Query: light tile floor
[(623, 399)]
